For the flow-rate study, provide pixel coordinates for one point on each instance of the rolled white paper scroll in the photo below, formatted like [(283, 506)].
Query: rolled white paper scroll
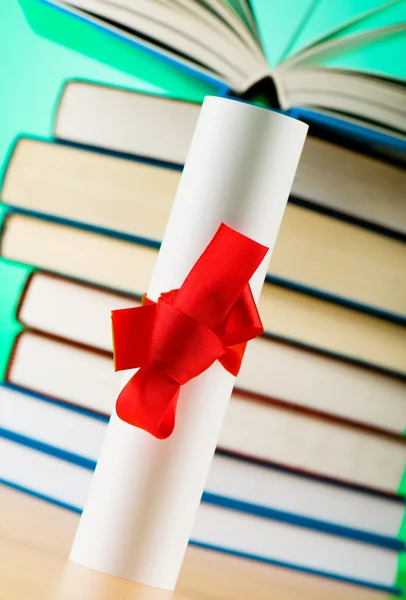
[(145, 492)]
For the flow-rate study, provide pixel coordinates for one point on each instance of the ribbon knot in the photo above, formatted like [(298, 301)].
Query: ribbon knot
[(210, 317)]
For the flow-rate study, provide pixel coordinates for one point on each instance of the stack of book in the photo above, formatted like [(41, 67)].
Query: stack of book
[(311, 455), (309, 469)]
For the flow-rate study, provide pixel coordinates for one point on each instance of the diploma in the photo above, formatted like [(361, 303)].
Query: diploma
[(145, 492)]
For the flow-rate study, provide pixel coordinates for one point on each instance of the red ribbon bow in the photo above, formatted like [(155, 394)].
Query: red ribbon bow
[(211, 317)]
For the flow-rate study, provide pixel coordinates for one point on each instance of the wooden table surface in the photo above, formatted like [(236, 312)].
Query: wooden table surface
[(35, 538)]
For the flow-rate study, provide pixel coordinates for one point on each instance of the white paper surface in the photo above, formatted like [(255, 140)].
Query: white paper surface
[(145, 492)]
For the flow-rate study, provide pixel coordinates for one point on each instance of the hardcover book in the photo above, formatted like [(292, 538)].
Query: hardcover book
[(255, 426), (103, 259), (79, 312), (291, 55), (317, 253)]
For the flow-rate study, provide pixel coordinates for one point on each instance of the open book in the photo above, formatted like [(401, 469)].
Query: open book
[(335, 57)]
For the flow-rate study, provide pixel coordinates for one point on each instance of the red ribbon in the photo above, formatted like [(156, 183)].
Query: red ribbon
[(211, 317)]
